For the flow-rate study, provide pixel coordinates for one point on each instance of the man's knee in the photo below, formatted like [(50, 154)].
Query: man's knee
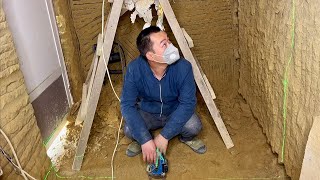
[(127, 132), (193, 125)]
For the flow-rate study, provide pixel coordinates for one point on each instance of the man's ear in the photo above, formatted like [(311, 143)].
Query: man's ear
[(149, 55)]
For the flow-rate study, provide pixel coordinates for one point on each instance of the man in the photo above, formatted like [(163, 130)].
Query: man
[(159, 92)]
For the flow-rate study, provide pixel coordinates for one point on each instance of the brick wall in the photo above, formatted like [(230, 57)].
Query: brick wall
[(17, 118)]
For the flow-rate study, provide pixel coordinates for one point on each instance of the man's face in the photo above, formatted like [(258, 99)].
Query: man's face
[(160, 42)]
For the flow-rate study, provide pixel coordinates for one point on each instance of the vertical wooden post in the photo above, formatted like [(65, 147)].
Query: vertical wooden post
[(110, 32)]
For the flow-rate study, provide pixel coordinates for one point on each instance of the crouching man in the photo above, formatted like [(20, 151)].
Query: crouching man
[(159, 92)]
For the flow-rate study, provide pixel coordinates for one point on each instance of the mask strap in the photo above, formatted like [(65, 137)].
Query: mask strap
[(158, 61)]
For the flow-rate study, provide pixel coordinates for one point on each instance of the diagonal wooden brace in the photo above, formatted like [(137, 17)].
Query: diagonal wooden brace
[(178, 33)]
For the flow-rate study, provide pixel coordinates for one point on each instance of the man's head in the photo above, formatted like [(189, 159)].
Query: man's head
[(152, 44)]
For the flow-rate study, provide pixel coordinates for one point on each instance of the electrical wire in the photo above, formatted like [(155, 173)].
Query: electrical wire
[(115, 149), (117, 141), (286, 80), (105, 63), (23, 173)]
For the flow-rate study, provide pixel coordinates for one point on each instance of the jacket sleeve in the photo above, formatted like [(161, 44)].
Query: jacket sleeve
[(129, 110), (187, 102)]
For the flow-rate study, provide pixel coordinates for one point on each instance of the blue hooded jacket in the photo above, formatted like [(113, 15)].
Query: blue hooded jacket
[(174, 95)]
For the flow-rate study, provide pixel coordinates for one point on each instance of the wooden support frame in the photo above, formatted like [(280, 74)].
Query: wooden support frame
[(110, 31), (184, 47), (190, 43), (98, 77), (86, 90), (188, 38), (87, 86)]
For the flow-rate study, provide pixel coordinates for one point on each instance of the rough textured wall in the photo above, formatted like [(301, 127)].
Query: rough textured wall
[(265, 45), (211, 25), (17, 118), (214, 33), (70, 46), (86, 16)]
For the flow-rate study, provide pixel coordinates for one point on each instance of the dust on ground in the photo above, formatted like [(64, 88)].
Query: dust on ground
[(251, 157)]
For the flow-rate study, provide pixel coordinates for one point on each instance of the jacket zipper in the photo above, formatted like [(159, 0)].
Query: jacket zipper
[(160, 99), (161, 94)]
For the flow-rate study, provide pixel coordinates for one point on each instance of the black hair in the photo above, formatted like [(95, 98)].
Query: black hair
[(144, 43)]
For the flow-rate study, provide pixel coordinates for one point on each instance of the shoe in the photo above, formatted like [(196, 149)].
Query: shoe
[(133, 149), (196, 145)]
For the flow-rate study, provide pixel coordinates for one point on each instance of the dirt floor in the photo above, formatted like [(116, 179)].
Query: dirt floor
[(251, 158)]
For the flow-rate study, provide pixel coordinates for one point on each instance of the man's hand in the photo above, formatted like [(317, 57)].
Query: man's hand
[(161, 143), (149, 151)]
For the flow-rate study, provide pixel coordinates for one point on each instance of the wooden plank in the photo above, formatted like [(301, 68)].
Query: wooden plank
[(90, 70), (110, 32), (213, 95), (311, 162), (86, 91), (176, 29), (99, 45), (89, 87), (188, 38), (80, 116), (94, 70)]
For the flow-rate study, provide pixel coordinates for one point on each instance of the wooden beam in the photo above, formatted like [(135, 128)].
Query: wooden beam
[(81, 115), (311, 161), (86, 91), (90, 70), (176, 29), (213, 95), (99, 45), (191, 45), (90, 86), (188, 38), (110, 32)]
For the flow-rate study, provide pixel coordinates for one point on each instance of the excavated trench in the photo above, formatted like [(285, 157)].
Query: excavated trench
[(250, 158), (261, 57), (214, 27)]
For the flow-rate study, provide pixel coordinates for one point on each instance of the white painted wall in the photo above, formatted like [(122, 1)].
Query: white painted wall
[(36, 38)]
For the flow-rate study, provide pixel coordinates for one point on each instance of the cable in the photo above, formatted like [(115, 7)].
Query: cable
[(23, 173), (104, 60), (115, 148), (117, 142), (105, 63), (286, 80)]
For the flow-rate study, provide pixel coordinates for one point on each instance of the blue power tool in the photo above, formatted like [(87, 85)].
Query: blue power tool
[(158, 169)]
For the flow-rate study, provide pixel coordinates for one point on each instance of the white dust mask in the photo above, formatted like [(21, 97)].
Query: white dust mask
[(171, 54)]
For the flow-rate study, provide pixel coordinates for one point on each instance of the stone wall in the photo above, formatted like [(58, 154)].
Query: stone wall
[(17, 118), (265, 45)]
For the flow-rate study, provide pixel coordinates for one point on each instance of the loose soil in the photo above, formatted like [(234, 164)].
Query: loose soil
[(250, 158)]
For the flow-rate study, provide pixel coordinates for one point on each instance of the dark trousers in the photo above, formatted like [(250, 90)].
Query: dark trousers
[(153, 122)]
